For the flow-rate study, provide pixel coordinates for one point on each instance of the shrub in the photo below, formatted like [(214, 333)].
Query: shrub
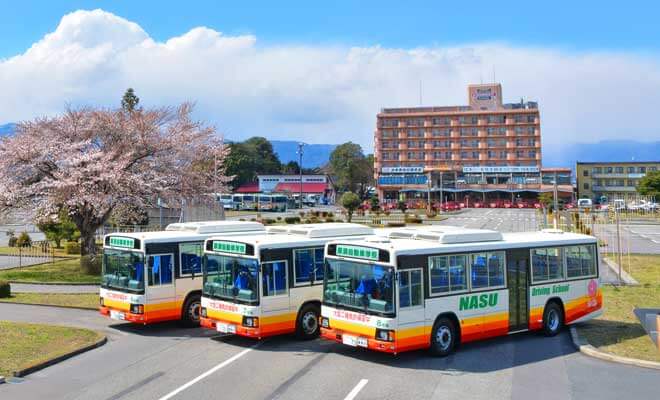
[(72, 248), (350, 201), (324, 214), (253, 219), (393, 224), (315, 213), (24, 240), (413, 219), (267, 221), (431, 214), (329, 219), (5, 289), (314, 220), (90, 265), (241, 219), (279, 218), (302, 214), (12, 241), (292, 220), (308, 221), (330, 214)]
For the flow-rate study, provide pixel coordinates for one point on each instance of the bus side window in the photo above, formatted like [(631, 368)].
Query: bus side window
[(274, 280), (160, 269)]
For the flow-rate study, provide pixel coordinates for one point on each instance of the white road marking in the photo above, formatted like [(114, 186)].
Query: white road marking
[(356, 389), (207, 373)]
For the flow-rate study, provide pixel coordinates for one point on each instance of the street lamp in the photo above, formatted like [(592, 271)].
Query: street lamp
[(300, 154)]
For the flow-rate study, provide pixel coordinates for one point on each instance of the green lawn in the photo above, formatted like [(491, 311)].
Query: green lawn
[(68, 271), (618, 330), (23, 345), (85, 300)]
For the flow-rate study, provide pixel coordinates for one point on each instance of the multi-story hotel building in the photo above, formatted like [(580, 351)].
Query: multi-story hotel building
[(605, 181), (486, 149)]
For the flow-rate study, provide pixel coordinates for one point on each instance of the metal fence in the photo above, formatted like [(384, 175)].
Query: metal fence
[(38, 252)]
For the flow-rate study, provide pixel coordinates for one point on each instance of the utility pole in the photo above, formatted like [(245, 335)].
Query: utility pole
[(441, 193), (618, 241), (555, 204), (428, 193), (300, 154)]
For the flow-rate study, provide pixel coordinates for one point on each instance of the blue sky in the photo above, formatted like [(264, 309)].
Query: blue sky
[(631, 25), (321, 71)]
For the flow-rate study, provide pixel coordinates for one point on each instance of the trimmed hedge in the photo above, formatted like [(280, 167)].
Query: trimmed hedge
[(292, 220), (72, 248), (5, 289)]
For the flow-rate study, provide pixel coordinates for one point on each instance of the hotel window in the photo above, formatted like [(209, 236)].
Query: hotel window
[(531, 142), (532, 153), (519, 118), (530, 130), (492, 154), (448, 155), (475, 154), (519, 142), (609, 170), (531, 118), (631, 170), (520, 154), (503, 154), (491, 131), (596, 170), (642, 170), (519, 130), (618, 170), (464, 154), (585, 186), (464, 142), (585, 172), (653, 169), (502, 130), (496, 119), (474, 143)]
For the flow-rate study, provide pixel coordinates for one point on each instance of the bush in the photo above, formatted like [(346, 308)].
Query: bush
[(12, 241), (279, 218), (330, 214), (90, 265), (5, 289), (241, 219), (315, 220), (253, 219), (308, 221), (431, 214), (24, 240), (393, 224), (329, 219), (302, 214), (413, 219), (267, 221), (292, 220), (72, 248), (324, 214)]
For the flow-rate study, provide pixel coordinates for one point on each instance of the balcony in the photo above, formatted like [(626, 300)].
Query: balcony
[(619, 175), (614, 188)]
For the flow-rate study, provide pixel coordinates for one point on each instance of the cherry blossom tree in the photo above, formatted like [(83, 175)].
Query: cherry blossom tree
[(89, 161)]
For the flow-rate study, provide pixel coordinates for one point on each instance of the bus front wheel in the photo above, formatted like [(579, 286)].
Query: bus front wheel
[(191, 311), (443, 337), (553, 319), (307, 324)]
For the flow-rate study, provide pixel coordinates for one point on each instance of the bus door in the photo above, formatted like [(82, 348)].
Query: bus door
[(517, 278), (274, 289), (410, 302), (161, 295)]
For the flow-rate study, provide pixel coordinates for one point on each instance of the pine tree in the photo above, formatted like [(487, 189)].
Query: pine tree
[(130, 101)]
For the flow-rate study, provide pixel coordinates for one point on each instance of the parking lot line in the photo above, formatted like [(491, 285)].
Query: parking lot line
[(356, 389), (207, 373)]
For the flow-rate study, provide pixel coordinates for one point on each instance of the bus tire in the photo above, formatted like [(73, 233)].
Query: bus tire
[(307, 323), (191, 310), (443, 337), (553, 319)]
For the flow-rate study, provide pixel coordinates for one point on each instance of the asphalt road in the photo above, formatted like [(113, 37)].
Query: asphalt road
[(168, 362), (500, 219), (635, 238)]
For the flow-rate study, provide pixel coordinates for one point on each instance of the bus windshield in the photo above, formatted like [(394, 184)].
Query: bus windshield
[(123, 270), (231, 278), (364, 287)]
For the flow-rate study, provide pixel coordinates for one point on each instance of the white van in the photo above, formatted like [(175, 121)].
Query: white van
[(584, 203)]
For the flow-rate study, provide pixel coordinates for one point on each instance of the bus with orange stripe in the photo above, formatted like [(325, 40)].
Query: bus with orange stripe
[(156, 276), (269, 284), (433, 288)]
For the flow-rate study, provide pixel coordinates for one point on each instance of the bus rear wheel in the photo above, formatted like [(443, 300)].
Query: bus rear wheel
[(553, 319), (307, 324), (443, 337), (191, 311)]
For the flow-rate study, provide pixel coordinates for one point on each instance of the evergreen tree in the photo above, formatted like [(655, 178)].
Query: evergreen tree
[(130, 101)]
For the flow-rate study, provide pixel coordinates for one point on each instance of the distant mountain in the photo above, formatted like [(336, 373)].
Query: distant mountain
[(607, 150), (314, 155), (7, 129)]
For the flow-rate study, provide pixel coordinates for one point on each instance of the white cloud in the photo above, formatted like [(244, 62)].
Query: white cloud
[(322, 94)]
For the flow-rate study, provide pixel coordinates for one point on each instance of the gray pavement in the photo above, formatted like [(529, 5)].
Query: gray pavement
[(8, 262), (165, 361), (637, 238), (500, 219)]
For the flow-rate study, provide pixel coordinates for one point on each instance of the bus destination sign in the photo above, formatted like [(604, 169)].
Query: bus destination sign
[(122, 242), (357, 252), (229, 247)]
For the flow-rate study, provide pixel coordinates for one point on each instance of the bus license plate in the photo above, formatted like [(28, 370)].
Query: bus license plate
[(225, 328), (118, 315), (354, 341)]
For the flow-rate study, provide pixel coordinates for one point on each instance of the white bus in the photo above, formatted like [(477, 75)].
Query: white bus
[(244, 202), (156, 276), (270, 284), (435, 288), (272, 202)]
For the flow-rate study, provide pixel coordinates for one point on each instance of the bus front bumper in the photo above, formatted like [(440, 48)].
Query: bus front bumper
[(372, 344), (122, 315), (230, 327)]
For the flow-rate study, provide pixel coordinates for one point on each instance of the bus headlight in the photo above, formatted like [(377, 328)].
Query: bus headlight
[(325, 323), (137, 309), (203, 312), (250, 322), (385, 335)]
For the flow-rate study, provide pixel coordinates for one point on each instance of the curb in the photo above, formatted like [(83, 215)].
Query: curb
[(627, 279), (53, 361), (50, 305), (585, 348), (53, 283)]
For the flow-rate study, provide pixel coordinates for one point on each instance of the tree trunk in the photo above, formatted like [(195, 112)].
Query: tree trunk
[(88, 243)]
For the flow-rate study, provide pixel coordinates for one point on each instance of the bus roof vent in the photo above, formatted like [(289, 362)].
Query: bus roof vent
[(330, 230), (204, 227), (410, 233), (551, 230), (377, 239), (277, 229), (455, 236)]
